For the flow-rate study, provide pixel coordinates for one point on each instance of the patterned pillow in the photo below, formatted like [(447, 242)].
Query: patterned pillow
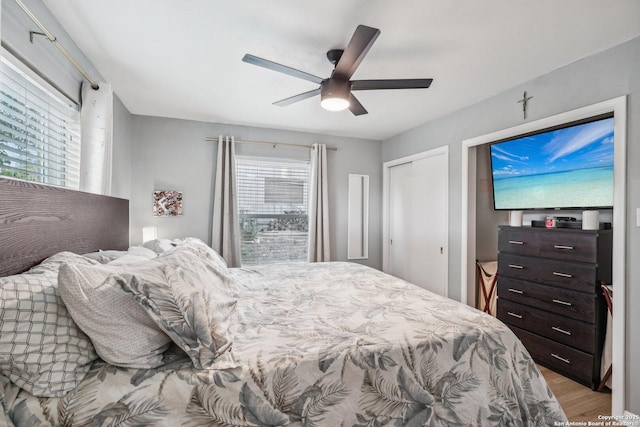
[(205, 251), (192, 302), (122, 332), (42, 350)]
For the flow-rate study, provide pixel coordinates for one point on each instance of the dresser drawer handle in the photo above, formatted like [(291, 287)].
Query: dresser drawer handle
[(514, 315), (561, 358), (557, 301), (516, 291), (563, 247), (519, 267), (562, 331), (555, 273), (516, 242)]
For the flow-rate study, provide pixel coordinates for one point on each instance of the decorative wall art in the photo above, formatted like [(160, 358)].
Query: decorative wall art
[(167, 203)]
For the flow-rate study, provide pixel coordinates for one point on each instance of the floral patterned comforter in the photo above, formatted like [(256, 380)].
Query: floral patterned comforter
[(325, 344)]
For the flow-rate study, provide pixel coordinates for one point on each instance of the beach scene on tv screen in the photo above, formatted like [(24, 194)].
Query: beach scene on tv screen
[(566, 168)]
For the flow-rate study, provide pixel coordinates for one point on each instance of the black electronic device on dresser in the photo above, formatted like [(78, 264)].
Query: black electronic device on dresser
[(549, 295)]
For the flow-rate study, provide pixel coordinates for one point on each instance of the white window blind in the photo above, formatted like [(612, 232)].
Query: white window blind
[(39, 130), (272, 204)]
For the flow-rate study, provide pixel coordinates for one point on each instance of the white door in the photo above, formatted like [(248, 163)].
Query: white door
[(418, 220)]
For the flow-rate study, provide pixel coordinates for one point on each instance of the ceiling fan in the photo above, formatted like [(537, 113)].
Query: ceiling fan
[(336, 91)]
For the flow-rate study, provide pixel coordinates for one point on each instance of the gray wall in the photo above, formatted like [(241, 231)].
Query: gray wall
[(487, 219), (171, 154), (122, 146), (603, 76)]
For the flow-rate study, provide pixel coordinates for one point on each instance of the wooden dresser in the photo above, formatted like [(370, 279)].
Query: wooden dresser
[(549, 295)]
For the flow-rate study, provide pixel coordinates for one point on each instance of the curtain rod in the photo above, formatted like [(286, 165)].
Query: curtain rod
[(274, 144), (57, 44)]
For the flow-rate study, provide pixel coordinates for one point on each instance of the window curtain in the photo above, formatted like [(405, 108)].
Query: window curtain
[(225, 234), (319, 243), (96, 117)]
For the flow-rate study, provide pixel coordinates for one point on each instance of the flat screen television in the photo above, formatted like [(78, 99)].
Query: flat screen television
[(564, 167)]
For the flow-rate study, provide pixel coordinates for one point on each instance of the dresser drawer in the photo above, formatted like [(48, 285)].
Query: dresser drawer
[(576, 305), (518, 242), (573, 363), (567, 331), (570, 275), (569, 246)]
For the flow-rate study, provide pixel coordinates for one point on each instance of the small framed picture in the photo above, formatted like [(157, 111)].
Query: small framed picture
[(167, 203)]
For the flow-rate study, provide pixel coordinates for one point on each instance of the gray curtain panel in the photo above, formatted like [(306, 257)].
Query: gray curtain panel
[(319, 243), (225, 234)]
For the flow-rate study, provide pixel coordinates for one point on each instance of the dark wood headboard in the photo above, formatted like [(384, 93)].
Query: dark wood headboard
[(37, 221)]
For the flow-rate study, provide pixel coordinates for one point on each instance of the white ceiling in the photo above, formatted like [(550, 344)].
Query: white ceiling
[(182, 59)]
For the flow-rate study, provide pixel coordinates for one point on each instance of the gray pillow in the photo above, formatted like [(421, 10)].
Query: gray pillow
[(122, 332), (190, 299)]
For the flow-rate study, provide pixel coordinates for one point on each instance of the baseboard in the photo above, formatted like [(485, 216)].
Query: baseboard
[(629, 419)]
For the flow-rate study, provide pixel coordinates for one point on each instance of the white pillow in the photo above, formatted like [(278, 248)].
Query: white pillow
[(160, 245), (122, 332), (135, 254)]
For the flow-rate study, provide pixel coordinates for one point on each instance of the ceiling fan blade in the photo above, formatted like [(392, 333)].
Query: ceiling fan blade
[(296, 98), (391, 84), (355, 107), (355, 51), (260, 62)]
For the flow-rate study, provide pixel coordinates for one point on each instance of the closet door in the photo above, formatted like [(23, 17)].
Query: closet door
[(418, 221)]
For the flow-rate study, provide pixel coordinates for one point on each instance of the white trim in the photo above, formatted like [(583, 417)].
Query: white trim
[(386, 166), (619, 107), (365, 217), (630, 419)]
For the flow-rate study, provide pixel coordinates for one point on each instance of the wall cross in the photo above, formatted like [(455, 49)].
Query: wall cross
[(524, 101)]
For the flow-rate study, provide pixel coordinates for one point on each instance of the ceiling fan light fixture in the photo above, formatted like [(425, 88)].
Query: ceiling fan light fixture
[(334, 104), (334, 95)]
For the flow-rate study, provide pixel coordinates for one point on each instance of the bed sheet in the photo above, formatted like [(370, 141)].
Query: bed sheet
[(324, 344)]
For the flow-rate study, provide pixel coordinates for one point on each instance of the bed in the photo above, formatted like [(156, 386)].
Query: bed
[(324, 344)]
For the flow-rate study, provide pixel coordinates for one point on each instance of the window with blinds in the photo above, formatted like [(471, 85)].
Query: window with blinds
[(272, 204), (39, 130)]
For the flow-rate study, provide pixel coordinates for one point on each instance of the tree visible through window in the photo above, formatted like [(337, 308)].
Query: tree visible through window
[(272, 203)]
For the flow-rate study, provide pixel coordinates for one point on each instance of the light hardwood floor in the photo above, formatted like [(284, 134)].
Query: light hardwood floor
[(579, 403)]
